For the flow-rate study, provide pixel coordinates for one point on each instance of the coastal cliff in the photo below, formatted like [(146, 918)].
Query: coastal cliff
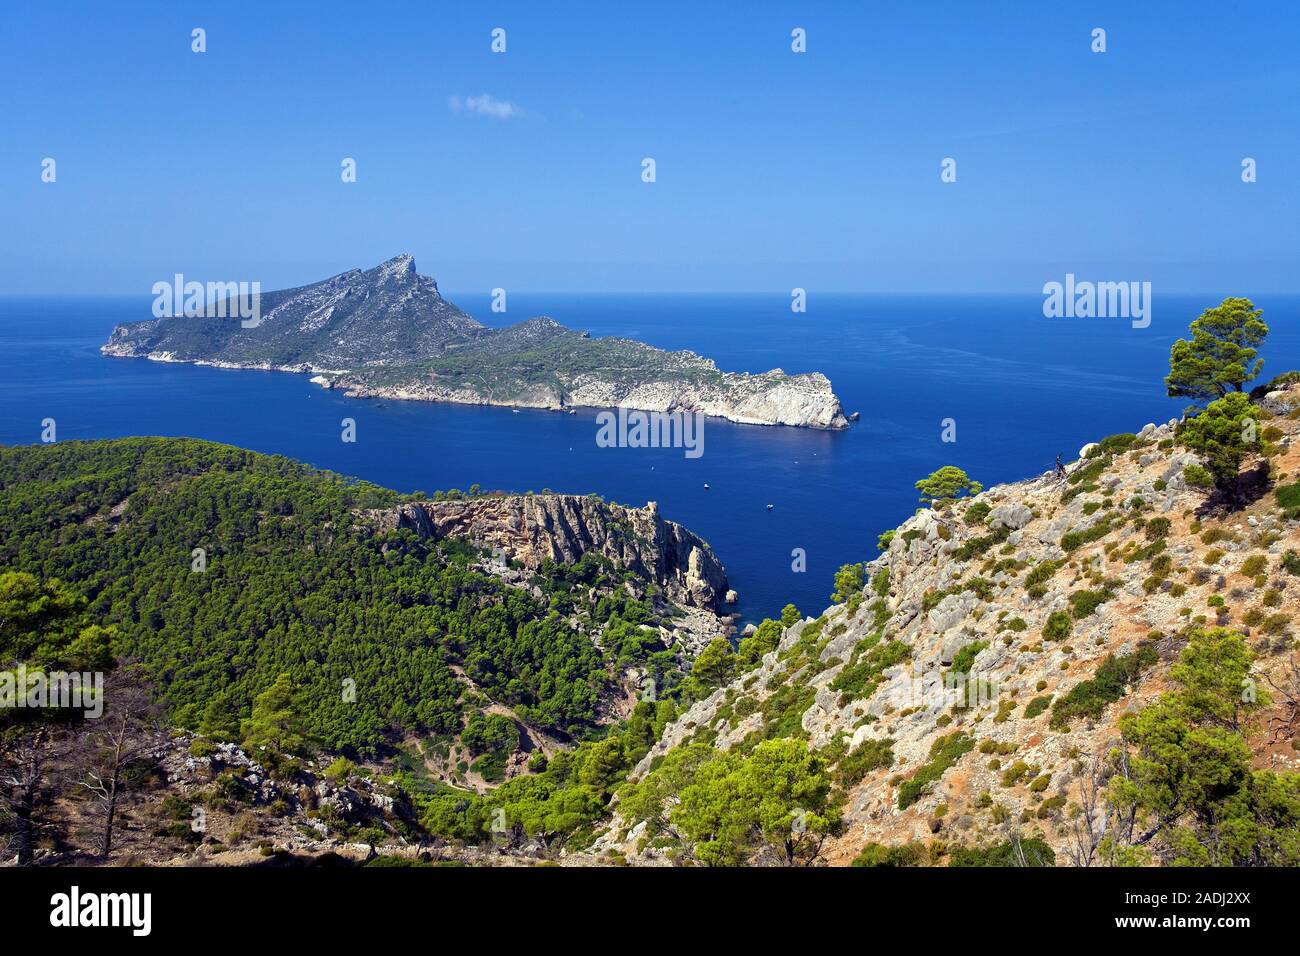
[(531, 529), (387, 332)]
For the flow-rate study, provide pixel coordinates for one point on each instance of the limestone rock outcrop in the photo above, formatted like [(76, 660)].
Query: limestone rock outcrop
[(562, 528)]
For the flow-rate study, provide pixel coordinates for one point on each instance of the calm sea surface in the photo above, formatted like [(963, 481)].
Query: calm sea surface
[(1020, 387)]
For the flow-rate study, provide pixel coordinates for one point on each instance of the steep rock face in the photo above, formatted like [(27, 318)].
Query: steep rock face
[(532, 528), (386, 315), (387, 332)]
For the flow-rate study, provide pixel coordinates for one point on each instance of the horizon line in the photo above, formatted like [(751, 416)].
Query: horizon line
[(782, 292)]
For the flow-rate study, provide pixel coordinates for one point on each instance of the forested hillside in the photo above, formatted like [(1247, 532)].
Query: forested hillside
[(289, 584)]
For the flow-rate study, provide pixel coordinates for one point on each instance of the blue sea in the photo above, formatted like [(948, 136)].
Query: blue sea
[(1021, 389)]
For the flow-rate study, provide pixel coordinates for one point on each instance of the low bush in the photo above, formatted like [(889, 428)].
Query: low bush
[(1037, 706), (867, 756), (1042, 573), (1089, 698), (877, 854), (1157, 529), (1288, 497), (1254, 565), (1076, 539), (1083, 603), (945, 752), (1013, 774), (1057, 627), (859, 680), (965, 658)]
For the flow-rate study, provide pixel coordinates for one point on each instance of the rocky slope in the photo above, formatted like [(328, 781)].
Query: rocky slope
[(387, 332), (215, 805), (1121, 548), (562, 528)]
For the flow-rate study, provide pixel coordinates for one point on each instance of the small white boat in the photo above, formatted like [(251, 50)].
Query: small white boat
[(706, 486), (770, 507)]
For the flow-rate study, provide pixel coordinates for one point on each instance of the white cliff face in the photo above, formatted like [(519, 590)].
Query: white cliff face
[(797, 400)]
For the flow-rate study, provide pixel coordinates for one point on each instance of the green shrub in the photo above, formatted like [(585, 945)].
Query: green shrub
[(1089, 472), (1057, 627), (867, 756), (965, 658), (1157, 529), (880, 583), (974, 547), (1037, 706), (1089, 698), (1076, 539), (491, 766), (945, 752), (1114, 444), (1083, 480), (1288, 496), (1050, 805), (1042, 573), (783, 711), (977, 512), (1275, 623), (340, 771), (1198, 477), (877, 854), (1256, 564), (1011, 776), (1083, 603), (860, 678)]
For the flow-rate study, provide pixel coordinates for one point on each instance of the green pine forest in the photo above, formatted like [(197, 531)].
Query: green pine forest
[(295, 585)]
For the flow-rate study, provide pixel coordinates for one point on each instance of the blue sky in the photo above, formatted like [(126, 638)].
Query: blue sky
[(774, 169)]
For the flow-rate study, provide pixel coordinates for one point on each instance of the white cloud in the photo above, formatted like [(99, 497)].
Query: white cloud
[(485, 104)]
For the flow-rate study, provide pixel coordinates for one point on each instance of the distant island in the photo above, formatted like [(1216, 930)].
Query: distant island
[(386, 332)]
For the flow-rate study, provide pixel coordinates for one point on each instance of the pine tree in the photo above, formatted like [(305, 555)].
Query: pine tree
[(1221, 355)]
